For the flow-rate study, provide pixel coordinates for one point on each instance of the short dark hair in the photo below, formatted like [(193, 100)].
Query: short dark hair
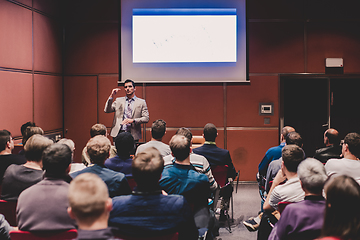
[(98, 129), (185, 132), (147, 167), (180, 147), (124, 143), (29, 131), (292, 155), (129, 80), (353, 142), (4, 139), (158, 129), (56, 159), (210, 132), (25, 125), (35, 147), (294, 138)]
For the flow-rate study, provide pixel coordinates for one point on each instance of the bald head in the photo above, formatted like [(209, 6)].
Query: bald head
[(285, 131), (331, 137)]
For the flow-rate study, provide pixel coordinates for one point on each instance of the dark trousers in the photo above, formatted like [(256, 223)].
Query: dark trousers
[(265, 227)]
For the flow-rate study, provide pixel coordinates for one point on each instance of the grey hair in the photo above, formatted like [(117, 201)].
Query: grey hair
[(312, 174)]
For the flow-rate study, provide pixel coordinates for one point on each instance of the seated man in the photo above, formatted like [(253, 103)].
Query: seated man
[(200, 163), (304, 220), (19, 177), (97, 129), (90, 206), (147, 212), (43, 206), (290, 191), (6, 156), (349, 165), (98, 149), (181, 178), (158, 130), (124, 143), (332, 147)]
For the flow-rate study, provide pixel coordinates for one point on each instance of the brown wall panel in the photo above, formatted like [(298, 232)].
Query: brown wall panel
[(48, 102), (15, 37), (243, 102), (91, 48), (248, 147), (333, 40), (17, 102), (25, 2), (186, 105), (47, 44), (49, 7), (333, 9), (80, 110), (95, 10), (276, 9), (276, 47)]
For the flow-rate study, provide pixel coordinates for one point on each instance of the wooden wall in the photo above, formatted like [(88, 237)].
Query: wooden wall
[(283, 37)]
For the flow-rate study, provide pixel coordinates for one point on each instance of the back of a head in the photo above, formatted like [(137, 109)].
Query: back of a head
[(56, 159), (210, 132), (88, 195), (312, 174), (98, 149), (286, 130), (147, 167), (180, 147), (35, 147), (342, 208), (4, 139), (158, 129), (294, 138), (353, 142), (185, 132), (98, 129), (333, 136), (29, 131), (292, 155), (124, 144), (24, 126), (70, 143)]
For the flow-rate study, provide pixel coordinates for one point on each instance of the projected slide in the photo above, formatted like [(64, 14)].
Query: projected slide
[(184, 35)]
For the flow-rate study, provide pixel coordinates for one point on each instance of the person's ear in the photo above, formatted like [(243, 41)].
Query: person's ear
[(70, 212), (108, 205)]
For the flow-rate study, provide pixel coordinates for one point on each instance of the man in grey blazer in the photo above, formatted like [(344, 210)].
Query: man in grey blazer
[(130, 111)]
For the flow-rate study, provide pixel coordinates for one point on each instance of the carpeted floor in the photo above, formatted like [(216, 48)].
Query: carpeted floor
[(246, 204)]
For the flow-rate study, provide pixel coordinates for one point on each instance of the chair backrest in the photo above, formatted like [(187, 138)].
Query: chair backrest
[(282, 205), (8, 209), (197, 141), (173, 236), (131, 182), (220, 174), (25, 235)]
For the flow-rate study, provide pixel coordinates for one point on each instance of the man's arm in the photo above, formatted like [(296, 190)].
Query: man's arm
[(231, 169), (109, 103), (279, 178), (208, 173)]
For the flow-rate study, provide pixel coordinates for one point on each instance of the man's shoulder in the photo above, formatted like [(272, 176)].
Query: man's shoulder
[(194, 157)]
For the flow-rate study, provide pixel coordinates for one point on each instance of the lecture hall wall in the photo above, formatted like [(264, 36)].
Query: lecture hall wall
[(283, 37)]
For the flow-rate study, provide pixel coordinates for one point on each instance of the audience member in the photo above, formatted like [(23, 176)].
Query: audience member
[(98, 149), (74, 166), (43, 206), (19, 177), (332, 147), (200, 163), (23, 128), (290, 191), (97, 129), (124, 144), (6, 156), (304, 220), (349, 165), (148, 212), (158, 130), (90, 206), (29, 131), (5, 228), (342, 210), (181, 178)]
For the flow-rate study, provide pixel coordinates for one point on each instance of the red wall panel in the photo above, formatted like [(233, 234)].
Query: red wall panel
[(276, 47), (16, 94), (15, 37), (80, 110), (186, 105), (91, 48), (248, 147), (48, 102), (47, 44), (243, 102), (49, 7)]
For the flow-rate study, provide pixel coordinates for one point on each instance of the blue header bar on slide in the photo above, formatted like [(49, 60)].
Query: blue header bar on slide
[(183, 11)]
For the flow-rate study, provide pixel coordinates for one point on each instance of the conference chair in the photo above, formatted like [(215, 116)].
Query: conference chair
[(282, 205), (197, 141), (8, 209), (25, 235), (131, 182), (173, 236)]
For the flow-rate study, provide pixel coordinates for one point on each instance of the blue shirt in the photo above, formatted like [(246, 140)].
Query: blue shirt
[(120, 165), (271, 154)]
